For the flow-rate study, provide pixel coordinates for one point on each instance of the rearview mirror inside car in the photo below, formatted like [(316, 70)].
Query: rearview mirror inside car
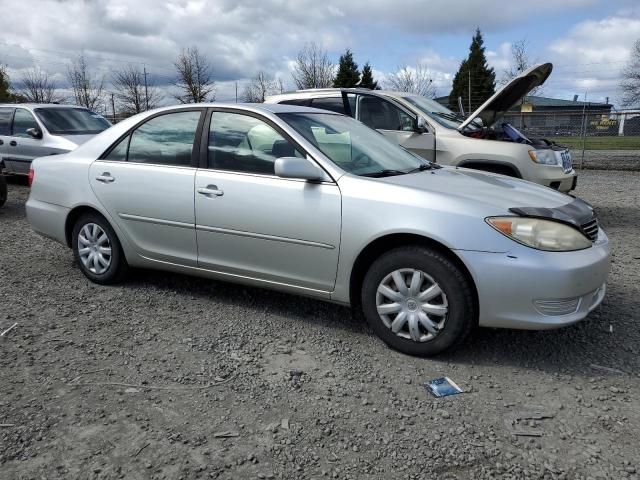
[(34, 132), (296, 167)]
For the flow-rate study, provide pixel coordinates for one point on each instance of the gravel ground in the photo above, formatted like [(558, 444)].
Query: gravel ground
[(607, 159), (173, 377)]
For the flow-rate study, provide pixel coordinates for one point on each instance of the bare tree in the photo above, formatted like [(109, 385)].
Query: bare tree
[(38, 88), (260, 87), (195, 77), (313, 69), (520, 61), (630, 84), (131, 92), (412, 80), (87, 91)]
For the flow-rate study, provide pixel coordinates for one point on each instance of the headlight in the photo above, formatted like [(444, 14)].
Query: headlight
[(545, 157), (540, 234)]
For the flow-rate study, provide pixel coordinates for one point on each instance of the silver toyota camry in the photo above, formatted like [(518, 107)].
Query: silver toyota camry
[(315, 203)]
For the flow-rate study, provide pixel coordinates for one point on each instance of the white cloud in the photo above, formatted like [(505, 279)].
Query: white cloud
[(590, 57)]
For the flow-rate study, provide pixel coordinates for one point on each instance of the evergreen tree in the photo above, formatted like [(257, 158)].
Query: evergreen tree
[(367, 78), (5, 95), (475, 71), (348, 75)]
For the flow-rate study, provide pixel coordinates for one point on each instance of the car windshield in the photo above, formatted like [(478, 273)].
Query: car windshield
[(72, 121), (354, 147), (438, 112)]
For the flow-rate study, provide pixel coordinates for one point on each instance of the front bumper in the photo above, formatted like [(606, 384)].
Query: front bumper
[(554, 177), (535, 290)]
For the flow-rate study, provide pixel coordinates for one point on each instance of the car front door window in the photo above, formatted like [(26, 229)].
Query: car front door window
[(23, 121), (378, 113), (242, 143)]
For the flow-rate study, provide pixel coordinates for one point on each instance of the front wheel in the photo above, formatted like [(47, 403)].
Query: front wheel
[(97, 250), (418, 301)]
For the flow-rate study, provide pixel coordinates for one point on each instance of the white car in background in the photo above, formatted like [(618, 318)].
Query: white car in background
[(29, 130), (434, 132)]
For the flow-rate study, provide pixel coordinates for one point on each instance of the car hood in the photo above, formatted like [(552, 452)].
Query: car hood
[(493, 194), (509, 95)]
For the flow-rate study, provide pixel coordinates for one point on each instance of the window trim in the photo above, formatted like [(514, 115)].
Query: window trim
[(204, 145), (195, 151)]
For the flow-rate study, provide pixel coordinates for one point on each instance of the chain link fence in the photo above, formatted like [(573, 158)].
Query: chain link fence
[(598, 140)]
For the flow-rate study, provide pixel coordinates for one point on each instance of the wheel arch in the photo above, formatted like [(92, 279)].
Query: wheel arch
[(388, 242), (74, 215), (493, 166)]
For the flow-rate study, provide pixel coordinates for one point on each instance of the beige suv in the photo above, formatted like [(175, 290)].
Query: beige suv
[(436, 133)]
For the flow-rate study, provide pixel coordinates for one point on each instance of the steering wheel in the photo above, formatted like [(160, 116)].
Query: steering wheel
[(362, 159)]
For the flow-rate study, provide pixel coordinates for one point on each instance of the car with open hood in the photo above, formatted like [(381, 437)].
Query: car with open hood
[(479, 141), (29, 130), (316, 203)]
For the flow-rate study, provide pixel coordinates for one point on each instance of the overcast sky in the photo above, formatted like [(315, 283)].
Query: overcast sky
[(588, 41)]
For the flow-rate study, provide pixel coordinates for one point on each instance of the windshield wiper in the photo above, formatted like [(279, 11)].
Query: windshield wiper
[(422, 167), (383, 173)]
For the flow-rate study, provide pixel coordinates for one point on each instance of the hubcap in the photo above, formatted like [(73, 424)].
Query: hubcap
[(94, 248), (412, 305)]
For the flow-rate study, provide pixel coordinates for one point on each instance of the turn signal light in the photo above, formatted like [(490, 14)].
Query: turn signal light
[(31, 175)]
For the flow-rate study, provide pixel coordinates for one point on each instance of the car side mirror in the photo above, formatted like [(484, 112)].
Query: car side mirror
[(421, 125), (34, 132), (296, 167), (479, 121)]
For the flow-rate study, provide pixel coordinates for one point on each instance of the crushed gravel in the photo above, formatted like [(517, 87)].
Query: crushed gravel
[(168, 377)]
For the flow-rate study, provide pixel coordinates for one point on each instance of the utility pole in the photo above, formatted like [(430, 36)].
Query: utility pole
[(236, 92), (113, 108), (146, 90)]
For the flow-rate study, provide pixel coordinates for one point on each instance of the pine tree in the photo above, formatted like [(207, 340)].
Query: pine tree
[(5, 95), (473, 70), (348, 75), (367, 78)]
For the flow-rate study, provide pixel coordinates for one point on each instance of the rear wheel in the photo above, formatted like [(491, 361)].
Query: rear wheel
[(97, 250), (418, 301), (3, 190)]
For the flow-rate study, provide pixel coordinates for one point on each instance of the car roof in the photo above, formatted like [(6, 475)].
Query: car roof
[(31, 106), (326, 92), (255, 107)]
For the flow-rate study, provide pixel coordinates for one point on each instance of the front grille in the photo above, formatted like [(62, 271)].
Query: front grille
[(590, 229), (567, 165), (557, 307)]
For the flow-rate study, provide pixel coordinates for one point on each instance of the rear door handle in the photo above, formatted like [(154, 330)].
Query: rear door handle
[(210, 190), (13, 143), (105, 178)]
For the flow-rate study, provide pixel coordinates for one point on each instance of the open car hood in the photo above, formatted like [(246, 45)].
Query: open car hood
[(510, 95)]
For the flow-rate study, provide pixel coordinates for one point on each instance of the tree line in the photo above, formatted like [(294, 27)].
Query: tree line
[(133, 91)]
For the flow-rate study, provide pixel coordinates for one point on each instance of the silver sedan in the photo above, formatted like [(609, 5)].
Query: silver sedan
[(317, 204)]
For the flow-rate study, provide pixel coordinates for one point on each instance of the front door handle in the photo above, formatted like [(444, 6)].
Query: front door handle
[(105, 178), (13, 143), (210, 190)]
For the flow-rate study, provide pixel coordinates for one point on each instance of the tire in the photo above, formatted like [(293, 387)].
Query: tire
[(108, 268), (3, 190), (452, 312)]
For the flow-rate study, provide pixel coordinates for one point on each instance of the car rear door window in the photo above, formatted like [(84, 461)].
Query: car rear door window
[(333, 104), (375, 112), (164, 140), (6, 114), (243, 143), (23, 121)]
